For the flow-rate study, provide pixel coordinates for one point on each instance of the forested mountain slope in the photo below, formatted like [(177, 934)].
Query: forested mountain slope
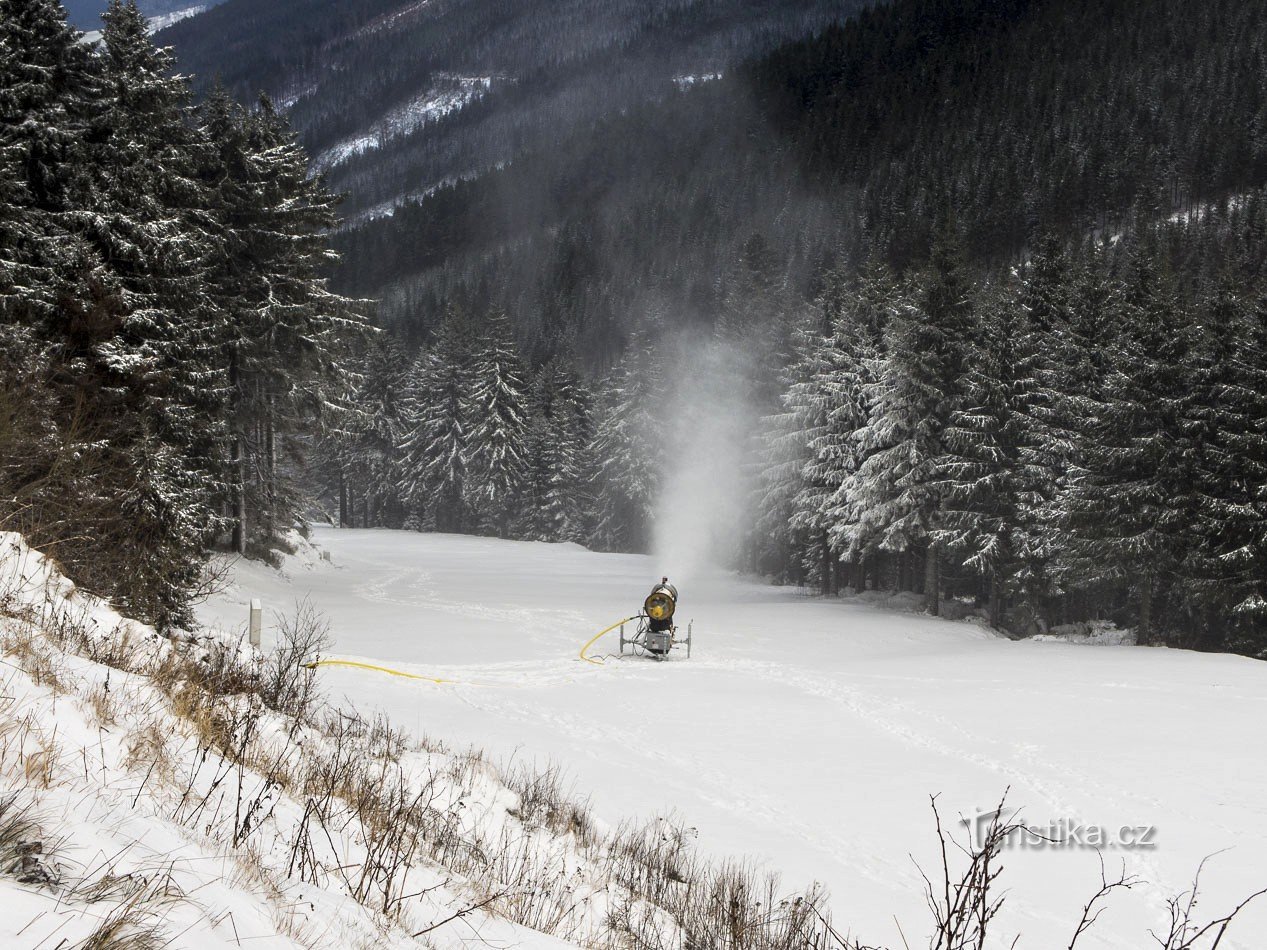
[(1020, 114), (395, 97)]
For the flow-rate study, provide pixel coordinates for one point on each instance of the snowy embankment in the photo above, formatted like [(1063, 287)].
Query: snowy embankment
[(807, 734), (138, 803)]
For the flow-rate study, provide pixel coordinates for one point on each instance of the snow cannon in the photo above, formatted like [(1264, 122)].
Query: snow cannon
[(657, 634)]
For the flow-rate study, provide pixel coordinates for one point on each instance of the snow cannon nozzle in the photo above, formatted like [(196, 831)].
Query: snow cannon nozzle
[(661, 602)]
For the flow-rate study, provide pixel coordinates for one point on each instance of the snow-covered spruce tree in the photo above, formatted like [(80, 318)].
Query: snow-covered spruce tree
[(845, 377), (782, 458), (814, 448), (629, 449), (896, 494), (1226, 570), (434, 445), (50, 89), (160, 368), (555, 503), (1061, 322), (285, 353), (46, 86), (569, 498), (1130, 503), (496, 444), (989, 481), (533, 523), (1069, 394), (371, 431)]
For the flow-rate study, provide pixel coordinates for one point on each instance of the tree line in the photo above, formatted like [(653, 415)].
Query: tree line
[(167, 340), (467, 436)]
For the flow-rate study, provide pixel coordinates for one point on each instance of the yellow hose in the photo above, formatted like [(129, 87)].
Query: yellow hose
[(434, 679), (594, 639), (379, 669)]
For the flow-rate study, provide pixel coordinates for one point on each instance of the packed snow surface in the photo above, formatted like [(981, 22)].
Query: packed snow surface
[(809, 734)]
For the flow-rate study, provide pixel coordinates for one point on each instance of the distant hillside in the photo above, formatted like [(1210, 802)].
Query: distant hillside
[(397, 97)]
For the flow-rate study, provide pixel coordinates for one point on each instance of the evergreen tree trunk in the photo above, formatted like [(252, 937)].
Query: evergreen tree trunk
[(1144, 636), (270, 461), (238, 460), (825, 566), (932, 592), (343, 500), (996, 602)]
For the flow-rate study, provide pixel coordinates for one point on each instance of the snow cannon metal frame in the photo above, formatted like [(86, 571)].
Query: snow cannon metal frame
[(657, 634)]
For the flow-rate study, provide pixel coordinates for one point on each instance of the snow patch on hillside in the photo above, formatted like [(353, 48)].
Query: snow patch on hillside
[(686, 82), (453, 94), (165, 20)]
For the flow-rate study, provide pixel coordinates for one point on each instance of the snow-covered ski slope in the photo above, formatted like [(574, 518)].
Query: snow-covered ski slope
[(807, 734)]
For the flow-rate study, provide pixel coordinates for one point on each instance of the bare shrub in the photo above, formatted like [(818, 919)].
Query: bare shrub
[(964, 906), (288, 680), (544, 803), (1185, 932)]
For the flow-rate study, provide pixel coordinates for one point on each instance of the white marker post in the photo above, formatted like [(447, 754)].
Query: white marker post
[(257, 621)]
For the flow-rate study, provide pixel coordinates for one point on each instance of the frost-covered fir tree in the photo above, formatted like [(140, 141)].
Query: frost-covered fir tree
[(782, 458), (844, 379), (1129, 506), (895, 496), (990, 482), (629, 449), (48, 89), (151, 220), (555, 500), (496, 444), (109, 257), (1225, 570), (372, 430), (813, 446), (434, 446), (288, 331)]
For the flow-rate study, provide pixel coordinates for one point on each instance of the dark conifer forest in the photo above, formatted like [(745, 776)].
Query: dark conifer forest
[(168, 341), (986, 278)]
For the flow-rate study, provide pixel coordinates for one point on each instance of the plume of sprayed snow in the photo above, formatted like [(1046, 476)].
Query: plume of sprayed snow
[(701, 516)]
